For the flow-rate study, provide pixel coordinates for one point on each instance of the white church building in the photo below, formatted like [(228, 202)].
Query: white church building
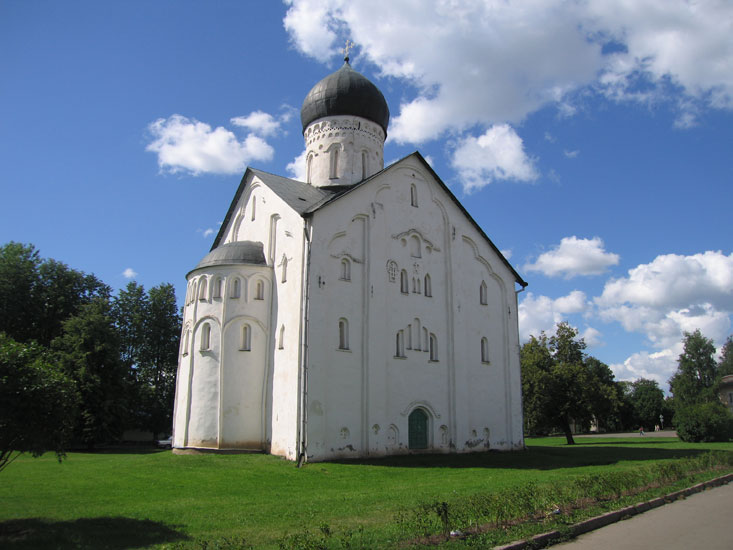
[(362, 312)]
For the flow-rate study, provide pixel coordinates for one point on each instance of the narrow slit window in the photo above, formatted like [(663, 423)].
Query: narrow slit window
[(205, 337), (202, 289), (428, 286), (484, 350), (285, 270), (246, 338), (334, 163), (413, 195), (254, 208), (218, 287), (260, 291), (483, 294), (281, 344), (185, 342), (433, 347), (236, 288), (343, 334), (345, 269), (403, 282), (400, 344)]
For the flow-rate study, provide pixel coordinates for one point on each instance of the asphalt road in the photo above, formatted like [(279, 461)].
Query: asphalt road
[(702, 520)]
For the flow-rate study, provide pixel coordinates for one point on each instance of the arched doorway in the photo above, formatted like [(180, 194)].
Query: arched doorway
[(417, 429)]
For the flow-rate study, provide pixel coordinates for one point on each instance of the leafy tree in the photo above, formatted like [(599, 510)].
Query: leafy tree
[(648, 402), (560, 386), (37, 402), (696, 378), (37, 295), (160, 356), (61, 292), (19, 281), (606, 396), (88, 351), (149, 326), (704, 422), (725, 366)]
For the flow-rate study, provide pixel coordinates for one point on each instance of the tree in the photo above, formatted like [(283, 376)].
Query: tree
[(725, 366), (560, 386), (37, 402), (88, 351), (696, 378), (149, 326), (37, 295), (648, 401), (19, 282), (160, 356)]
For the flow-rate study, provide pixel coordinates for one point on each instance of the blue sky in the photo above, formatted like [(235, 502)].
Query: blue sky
[(593, 143)]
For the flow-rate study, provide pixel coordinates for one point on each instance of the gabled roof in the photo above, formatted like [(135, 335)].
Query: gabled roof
[(301, 197), (306, 199)]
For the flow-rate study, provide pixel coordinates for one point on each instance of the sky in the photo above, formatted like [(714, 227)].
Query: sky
[(592, 141)]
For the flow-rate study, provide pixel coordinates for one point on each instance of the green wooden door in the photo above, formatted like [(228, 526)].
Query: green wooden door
[(417, 429)]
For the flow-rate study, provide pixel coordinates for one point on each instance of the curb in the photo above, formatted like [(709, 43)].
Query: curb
[(545, 539)]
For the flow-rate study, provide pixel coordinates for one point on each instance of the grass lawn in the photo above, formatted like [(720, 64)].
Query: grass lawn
[(153, 499)]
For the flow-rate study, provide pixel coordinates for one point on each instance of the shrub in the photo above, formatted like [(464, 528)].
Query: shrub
[(704, 422)]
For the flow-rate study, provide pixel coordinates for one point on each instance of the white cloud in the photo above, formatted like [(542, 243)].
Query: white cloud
[(129, 273), (671, 295), (187, 145), (574, 256), (592, 337), (659, 366), (497, 154), (258, 122), (496, 62), (208, 232), (540, 313), (507, 253), (571, 154), (296, 168)]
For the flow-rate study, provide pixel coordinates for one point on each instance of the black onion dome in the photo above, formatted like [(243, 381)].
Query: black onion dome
[(345, 92)]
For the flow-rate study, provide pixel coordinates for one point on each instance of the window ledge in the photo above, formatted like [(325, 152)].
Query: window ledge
[(400, 357), (347, 350)]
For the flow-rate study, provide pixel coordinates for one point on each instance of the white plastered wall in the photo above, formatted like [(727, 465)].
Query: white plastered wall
[(359, 399)]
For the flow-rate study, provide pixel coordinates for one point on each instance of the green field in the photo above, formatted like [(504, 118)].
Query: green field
[(140, 499)]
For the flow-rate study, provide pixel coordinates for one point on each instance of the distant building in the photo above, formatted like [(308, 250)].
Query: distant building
[(362, 312), (726, 391)]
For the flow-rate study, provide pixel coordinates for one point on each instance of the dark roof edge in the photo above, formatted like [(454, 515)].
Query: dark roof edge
[(232, 207), (417, 154)]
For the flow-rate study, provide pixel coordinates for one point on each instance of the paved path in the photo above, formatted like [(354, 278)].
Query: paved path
[(663, 433), (702, 520)]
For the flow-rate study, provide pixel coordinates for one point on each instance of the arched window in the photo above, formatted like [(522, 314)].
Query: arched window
[(254, 207), (484, 350), (343, 334), (426, 340), (409, 337), (415, 246), (345, 269), (433, 347), (235, 289), (205, 337), (417, 346), (403, 282), (333, 169), (400, 344), (285, 269), (202, 289), (428, 286), (281, 344), (185, 342), (308, 168), (364, 165), (413, 195), (218, 287), (483, 294), (260, 291), (246, 338)]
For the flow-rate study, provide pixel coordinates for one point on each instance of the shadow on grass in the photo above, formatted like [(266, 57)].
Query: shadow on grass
[(105, 533), (538, 457)]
